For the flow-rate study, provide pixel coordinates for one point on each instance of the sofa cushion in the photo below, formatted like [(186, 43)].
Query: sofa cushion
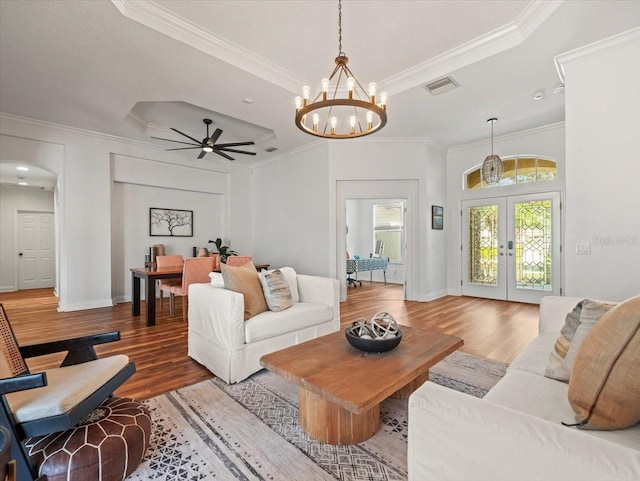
[(547, 399), (292, 279), (299, 316), (216, 279), (604, 389), (246, 281), (276, 290), (578, 324), (535, 357)]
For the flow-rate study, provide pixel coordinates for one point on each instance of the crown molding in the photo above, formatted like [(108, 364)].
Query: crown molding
[(169, 23), (514, 135), (76, 130), (619, 40), (496, 41)]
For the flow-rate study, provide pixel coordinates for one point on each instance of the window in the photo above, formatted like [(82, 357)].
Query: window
[(388, 227), (516, 170)]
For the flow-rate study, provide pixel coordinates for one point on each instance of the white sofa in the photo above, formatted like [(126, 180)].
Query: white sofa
[(515, 433), (221, 340)]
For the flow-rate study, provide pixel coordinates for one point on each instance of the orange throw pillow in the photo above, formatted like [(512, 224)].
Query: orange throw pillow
[(246, 281), (604, 388)]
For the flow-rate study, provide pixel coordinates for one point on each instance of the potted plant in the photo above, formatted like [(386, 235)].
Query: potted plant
[(224, 251)]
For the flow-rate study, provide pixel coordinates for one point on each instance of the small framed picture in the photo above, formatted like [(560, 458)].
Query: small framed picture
[(437, 217), (170, 222)]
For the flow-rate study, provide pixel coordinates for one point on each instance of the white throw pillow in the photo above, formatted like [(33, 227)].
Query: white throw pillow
[(291, 277), (276, 290), (216, 279)]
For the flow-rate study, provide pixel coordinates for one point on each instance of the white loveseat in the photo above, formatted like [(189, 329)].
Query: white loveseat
[(515, 433), (221, 340)]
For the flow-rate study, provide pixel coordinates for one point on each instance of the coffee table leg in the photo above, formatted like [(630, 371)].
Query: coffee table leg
[(405, 392), (329, 423)]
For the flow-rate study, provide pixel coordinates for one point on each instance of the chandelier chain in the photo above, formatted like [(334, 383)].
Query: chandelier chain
[(340, 52)]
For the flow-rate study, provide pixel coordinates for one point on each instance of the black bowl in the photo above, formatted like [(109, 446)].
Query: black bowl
[(373, 345)]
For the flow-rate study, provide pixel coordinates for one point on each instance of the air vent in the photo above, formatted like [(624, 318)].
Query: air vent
[(271, 149), (441, 86)]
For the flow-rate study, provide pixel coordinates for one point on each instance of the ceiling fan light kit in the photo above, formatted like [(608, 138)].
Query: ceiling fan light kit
[(208, 144), (492, 165), (343, 108)]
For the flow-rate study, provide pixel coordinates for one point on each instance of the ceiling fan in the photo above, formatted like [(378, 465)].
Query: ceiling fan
[(208, 144)]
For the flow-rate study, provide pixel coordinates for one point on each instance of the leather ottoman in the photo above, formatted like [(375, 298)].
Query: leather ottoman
[(107, 446)]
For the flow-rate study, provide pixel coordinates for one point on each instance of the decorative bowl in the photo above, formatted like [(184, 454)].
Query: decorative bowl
[(373, 345)]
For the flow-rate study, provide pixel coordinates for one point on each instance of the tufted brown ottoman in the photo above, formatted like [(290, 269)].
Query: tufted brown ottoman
[(107, 446)]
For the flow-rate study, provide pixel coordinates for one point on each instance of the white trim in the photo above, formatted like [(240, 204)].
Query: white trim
[(480, 48), (288, 153), (432, 296), (169, 23), (619, 40), (179, 28), (75, 130), (514, 135)]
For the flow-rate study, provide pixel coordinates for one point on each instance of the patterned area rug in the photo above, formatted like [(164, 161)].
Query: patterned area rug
[(250, 431)]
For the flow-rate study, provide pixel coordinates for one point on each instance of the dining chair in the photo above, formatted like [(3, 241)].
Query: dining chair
[(165, 285), (238, 261), (195, 270), (216, 261)]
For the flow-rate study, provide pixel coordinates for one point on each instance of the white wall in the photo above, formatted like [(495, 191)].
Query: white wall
[(296, 196), (603, 148), (13, 200), (85, 184), (545, 142)]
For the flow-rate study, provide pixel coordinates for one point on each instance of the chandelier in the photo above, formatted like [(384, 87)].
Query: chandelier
[(492, 165), (343, 109)]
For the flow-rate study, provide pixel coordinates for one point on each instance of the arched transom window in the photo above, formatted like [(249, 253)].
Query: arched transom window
[(516, 170)]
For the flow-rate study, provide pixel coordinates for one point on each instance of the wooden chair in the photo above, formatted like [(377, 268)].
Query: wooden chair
[(165, 285), (238, 261), (216, 261), (57, 399), (195, 270)]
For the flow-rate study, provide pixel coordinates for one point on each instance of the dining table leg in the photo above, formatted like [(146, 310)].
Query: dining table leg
[(135, 286), (151, 302)]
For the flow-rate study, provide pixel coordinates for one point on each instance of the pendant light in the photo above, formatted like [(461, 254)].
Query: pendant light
[(492, 165)]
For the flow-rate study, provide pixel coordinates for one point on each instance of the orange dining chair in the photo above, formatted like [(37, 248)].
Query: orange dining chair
[(167, 284), (216, 261), (238, 261), (195, 271)]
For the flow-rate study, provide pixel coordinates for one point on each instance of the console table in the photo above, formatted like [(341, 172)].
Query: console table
[(368, 264)]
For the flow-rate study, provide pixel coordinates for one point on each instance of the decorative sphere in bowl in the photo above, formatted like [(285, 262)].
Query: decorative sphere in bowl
[(373, 345)]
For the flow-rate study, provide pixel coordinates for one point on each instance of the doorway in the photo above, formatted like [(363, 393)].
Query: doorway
[(36, 250), (511, 247)]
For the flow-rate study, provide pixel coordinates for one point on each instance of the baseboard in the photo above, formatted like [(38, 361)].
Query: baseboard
[(81, 306), (8, 288), (432, 296)]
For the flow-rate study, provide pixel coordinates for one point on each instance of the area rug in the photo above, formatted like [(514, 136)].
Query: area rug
[(250, 431)]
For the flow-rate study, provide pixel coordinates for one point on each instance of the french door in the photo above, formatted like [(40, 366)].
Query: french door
[(511, 247)]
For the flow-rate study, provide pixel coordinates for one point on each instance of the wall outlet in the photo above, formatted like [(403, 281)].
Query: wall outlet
[(583, 248)]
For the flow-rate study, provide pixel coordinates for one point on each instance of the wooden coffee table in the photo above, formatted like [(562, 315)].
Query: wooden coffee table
[(340, 388)]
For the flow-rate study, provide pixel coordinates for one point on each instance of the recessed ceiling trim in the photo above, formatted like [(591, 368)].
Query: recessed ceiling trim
[(169, 23), (496, 41)]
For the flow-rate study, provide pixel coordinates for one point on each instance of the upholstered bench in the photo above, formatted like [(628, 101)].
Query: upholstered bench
[(107, 446)]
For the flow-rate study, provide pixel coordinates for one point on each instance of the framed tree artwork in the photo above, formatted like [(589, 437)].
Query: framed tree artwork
[(170, 222), (437, 217)]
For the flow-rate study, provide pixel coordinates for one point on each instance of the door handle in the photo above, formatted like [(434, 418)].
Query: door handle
[(20, 254), (510, 245)]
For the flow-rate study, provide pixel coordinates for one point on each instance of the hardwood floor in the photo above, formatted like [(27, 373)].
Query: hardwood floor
[(495, 330)]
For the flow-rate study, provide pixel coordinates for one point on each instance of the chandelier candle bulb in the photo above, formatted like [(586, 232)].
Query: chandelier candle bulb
[(298, 103), (383, 100), (342, 95)]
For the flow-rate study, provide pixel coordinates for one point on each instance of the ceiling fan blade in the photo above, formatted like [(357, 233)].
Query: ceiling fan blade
[(235, 144), (171, 140), (184, 148), (187, 136), (233, 150), (202, 154), (223, 154), (215, 136)]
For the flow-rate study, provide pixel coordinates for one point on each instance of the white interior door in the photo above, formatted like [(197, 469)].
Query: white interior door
[(511, 247), (36, 242)]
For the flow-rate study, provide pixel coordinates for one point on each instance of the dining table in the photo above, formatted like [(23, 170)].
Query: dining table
[(151, 274)]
